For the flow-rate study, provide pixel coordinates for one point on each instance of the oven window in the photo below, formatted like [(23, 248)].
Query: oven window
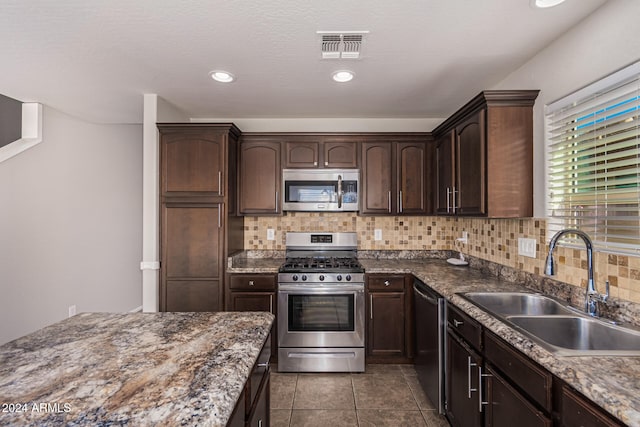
[(321, 313)]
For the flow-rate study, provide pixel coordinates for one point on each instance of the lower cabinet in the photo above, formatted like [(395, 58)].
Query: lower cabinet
[(490, 383), (389, 317), (252, 409), (254, 292)]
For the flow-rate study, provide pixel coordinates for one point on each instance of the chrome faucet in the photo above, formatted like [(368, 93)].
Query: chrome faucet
[(592, 296)]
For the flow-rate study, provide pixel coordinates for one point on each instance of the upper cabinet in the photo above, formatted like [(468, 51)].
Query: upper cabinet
[(395, 176), (319, 151), (260, 176), (484, 157), (194, 160)]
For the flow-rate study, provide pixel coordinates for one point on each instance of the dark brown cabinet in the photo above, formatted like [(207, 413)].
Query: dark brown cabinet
[(389, 319), (197, 225), (260, 177), (395, 177), (462, 387), (320, 151), (577, 411), (300, 154), (252, 409), (484, 157), (254, 292)]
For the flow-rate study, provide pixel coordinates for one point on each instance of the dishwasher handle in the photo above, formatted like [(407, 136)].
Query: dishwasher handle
[(430, 299)]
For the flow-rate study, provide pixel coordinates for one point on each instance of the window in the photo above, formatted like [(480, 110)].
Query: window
[(593, 159)]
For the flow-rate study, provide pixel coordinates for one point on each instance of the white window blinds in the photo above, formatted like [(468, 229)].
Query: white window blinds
[(593, 156)]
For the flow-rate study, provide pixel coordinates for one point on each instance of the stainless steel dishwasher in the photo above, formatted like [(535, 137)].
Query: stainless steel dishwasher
[(430, 337)]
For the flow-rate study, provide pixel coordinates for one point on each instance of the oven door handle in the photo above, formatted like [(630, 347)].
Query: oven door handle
[(307, 289)]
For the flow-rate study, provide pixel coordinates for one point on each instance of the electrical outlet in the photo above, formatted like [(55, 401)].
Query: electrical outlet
[(527, 247), (271, 234), (377, 234), (72, 310)]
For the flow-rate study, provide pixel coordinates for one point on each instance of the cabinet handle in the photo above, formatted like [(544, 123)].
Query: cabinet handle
[(386, 283), (326, 163), (263, 365), (371, 306), (276, 202), (259, 423), (315, 163), (448, 200), (219, 216), (454, 205), (251, 283), (469, 365), (271, 304), (400, 202), (480, 400), (457, 323), (389, 202), (220, 183)]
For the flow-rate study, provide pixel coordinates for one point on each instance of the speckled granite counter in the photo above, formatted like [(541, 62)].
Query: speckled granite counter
[(131, 369), (611, 382)]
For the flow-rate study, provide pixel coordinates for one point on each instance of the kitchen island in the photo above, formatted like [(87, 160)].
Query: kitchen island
[(131, 369)]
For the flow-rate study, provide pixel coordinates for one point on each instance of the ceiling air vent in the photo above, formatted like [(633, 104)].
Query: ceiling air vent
[(342, 44)]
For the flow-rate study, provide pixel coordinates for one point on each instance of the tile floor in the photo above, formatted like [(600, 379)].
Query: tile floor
[(384, 395)]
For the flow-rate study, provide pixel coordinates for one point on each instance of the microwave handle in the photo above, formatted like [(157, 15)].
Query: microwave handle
[(339, 191)]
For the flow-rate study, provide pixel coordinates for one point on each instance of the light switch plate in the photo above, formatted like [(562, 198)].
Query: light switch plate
[(527, 247), (271, 234), (377, 234)]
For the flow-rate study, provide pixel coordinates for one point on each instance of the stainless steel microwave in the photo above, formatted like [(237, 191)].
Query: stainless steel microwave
[(320, 190)]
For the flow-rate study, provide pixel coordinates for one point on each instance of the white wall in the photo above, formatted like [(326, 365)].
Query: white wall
[(70, 224), (606, 41)]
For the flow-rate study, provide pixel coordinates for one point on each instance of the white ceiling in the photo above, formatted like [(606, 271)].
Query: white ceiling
[(422, 59)]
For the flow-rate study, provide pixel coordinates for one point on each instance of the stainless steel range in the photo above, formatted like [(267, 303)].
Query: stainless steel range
[(321, 304)]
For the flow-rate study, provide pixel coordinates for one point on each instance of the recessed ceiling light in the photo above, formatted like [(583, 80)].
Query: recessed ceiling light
[(222, 76), (343, 76), (542, 4)]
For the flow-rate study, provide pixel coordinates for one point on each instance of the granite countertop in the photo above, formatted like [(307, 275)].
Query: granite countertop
[(135, 369), (613, 383)]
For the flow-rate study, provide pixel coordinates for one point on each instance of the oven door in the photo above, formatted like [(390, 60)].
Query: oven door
[(323, 315)]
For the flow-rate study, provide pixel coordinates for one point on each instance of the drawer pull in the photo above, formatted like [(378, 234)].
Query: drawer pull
[(386, 283), (263, 365), (457, 323), (251, 283)]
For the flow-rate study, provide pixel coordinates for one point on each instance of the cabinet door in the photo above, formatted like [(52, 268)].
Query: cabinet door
[(411, 177), (462, 384), (260, 177), (192, 161), (505, 405), (470, 195), (337, 154), (260, 415), (191, 261), (444, 174), (301, 154), (386, 331), (377, 178), (579, 412)]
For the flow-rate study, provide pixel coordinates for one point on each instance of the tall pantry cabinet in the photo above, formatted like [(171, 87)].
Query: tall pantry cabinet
[(198, 221)]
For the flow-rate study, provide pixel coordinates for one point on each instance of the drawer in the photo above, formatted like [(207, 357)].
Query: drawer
[(534, 381), (384, 283), (260, 371), (580, 412), (465, 326), (252, 282)]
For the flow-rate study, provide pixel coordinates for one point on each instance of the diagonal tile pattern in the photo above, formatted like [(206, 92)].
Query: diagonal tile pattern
[(385, 395)]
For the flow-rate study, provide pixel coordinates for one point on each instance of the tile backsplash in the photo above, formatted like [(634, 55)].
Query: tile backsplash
[(493, 240)]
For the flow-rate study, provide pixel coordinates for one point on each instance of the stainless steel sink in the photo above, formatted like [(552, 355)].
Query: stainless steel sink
[(557, 326), (517, 303), (575, 335)]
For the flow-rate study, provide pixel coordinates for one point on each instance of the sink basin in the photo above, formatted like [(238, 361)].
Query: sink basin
[(517, 303), (579, 335), (556, 326)]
